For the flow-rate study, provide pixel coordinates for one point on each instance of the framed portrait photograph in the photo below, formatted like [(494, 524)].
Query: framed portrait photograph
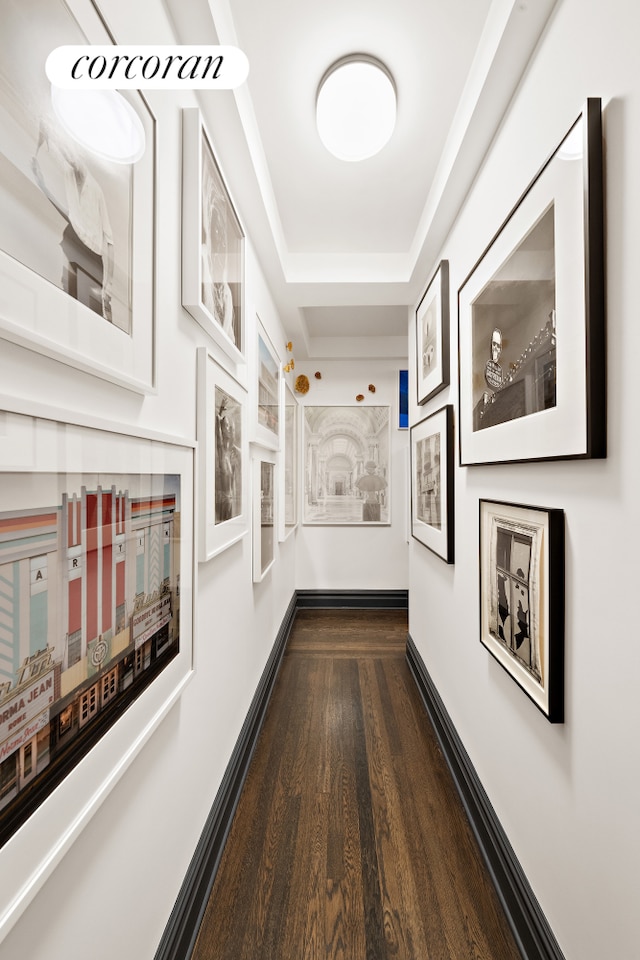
[(432, 483), (264, 499), (432, 336), (223, 469), (522, 598), (97, 574), (77, 232), (531, 317), (289, 457), (266, 414), (212, 243), (347, 472)]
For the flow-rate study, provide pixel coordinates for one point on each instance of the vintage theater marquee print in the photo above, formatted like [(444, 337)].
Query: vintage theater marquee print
[(96, 570)]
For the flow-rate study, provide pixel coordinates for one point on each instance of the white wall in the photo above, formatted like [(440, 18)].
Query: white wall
[(350, 558), (568, 796)]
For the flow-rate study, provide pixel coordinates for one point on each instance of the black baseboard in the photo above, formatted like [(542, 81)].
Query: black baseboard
[(179, 937), (340, 599), (528, 923)]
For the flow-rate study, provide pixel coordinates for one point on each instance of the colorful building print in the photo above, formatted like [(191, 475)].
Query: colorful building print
[(89, 613)]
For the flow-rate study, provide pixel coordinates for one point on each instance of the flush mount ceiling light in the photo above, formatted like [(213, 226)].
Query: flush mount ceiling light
[(102, 121), (356, 107)]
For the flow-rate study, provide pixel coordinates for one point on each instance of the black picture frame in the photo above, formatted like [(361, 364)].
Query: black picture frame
[(531, 317), (432, 336), (432, 483), (522, 597)]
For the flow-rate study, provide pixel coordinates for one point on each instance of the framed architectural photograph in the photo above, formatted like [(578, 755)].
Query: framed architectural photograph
[(223, 470), (289, 456), (264, 511), (77, 232), (432, 483), (522, 598), (212, 243), (97, 584), (267, 416), (403, 399), (432, 335), (531, 317), (347, 471)]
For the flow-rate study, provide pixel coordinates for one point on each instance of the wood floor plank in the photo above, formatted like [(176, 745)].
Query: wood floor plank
[(350, 841)]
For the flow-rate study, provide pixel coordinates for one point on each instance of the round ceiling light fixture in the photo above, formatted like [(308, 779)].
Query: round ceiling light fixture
[(356, 107), (102, 121)]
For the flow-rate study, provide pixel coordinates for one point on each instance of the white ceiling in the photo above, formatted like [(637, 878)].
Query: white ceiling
[(347, 247)]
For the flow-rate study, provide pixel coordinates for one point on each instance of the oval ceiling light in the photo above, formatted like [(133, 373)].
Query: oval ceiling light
[(356, 107), (102, 121)]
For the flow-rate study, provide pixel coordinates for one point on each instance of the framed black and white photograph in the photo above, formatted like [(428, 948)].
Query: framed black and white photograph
[(77, 232), (264, 531), (531, 317), (289, 471), (212, 243), (267, 417), (432, 483), (522, 598), (347, 470), (223, 499), (97, 574), (432, 335)]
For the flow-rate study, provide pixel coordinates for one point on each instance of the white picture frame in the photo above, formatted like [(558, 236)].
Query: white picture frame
[(347, 470), (223, 458), (267, 413), (289, 486), (57, 451), (213, 242), (84, 293)]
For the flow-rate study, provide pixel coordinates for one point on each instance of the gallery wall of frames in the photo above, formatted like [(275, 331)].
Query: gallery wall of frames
[(149, 449), (531, 387)]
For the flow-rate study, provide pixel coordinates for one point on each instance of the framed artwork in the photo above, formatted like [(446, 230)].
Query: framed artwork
[(522, 598), (97, 582), (403, 399), (432, 483), (77, 232), (347, 473), (212, 243), (264, 511), (267, 418), (432, 335), (290, 454), (531, 317), (223, 470)]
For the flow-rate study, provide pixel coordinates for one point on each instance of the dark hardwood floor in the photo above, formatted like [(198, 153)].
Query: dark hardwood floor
[(349, 841)]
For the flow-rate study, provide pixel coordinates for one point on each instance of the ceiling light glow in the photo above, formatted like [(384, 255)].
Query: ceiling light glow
[(356, 107), (102, 121)]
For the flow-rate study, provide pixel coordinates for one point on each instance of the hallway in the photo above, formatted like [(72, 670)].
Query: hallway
[(349, 841)]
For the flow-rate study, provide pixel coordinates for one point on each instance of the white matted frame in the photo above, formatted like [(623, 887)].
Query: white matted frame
[(289, 508), (522, 598), (212, 243), (347, 471), (76, 263), (223, 458), (267, 413), (264, 507), (432, 483), (133, 484), (531, 317)]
